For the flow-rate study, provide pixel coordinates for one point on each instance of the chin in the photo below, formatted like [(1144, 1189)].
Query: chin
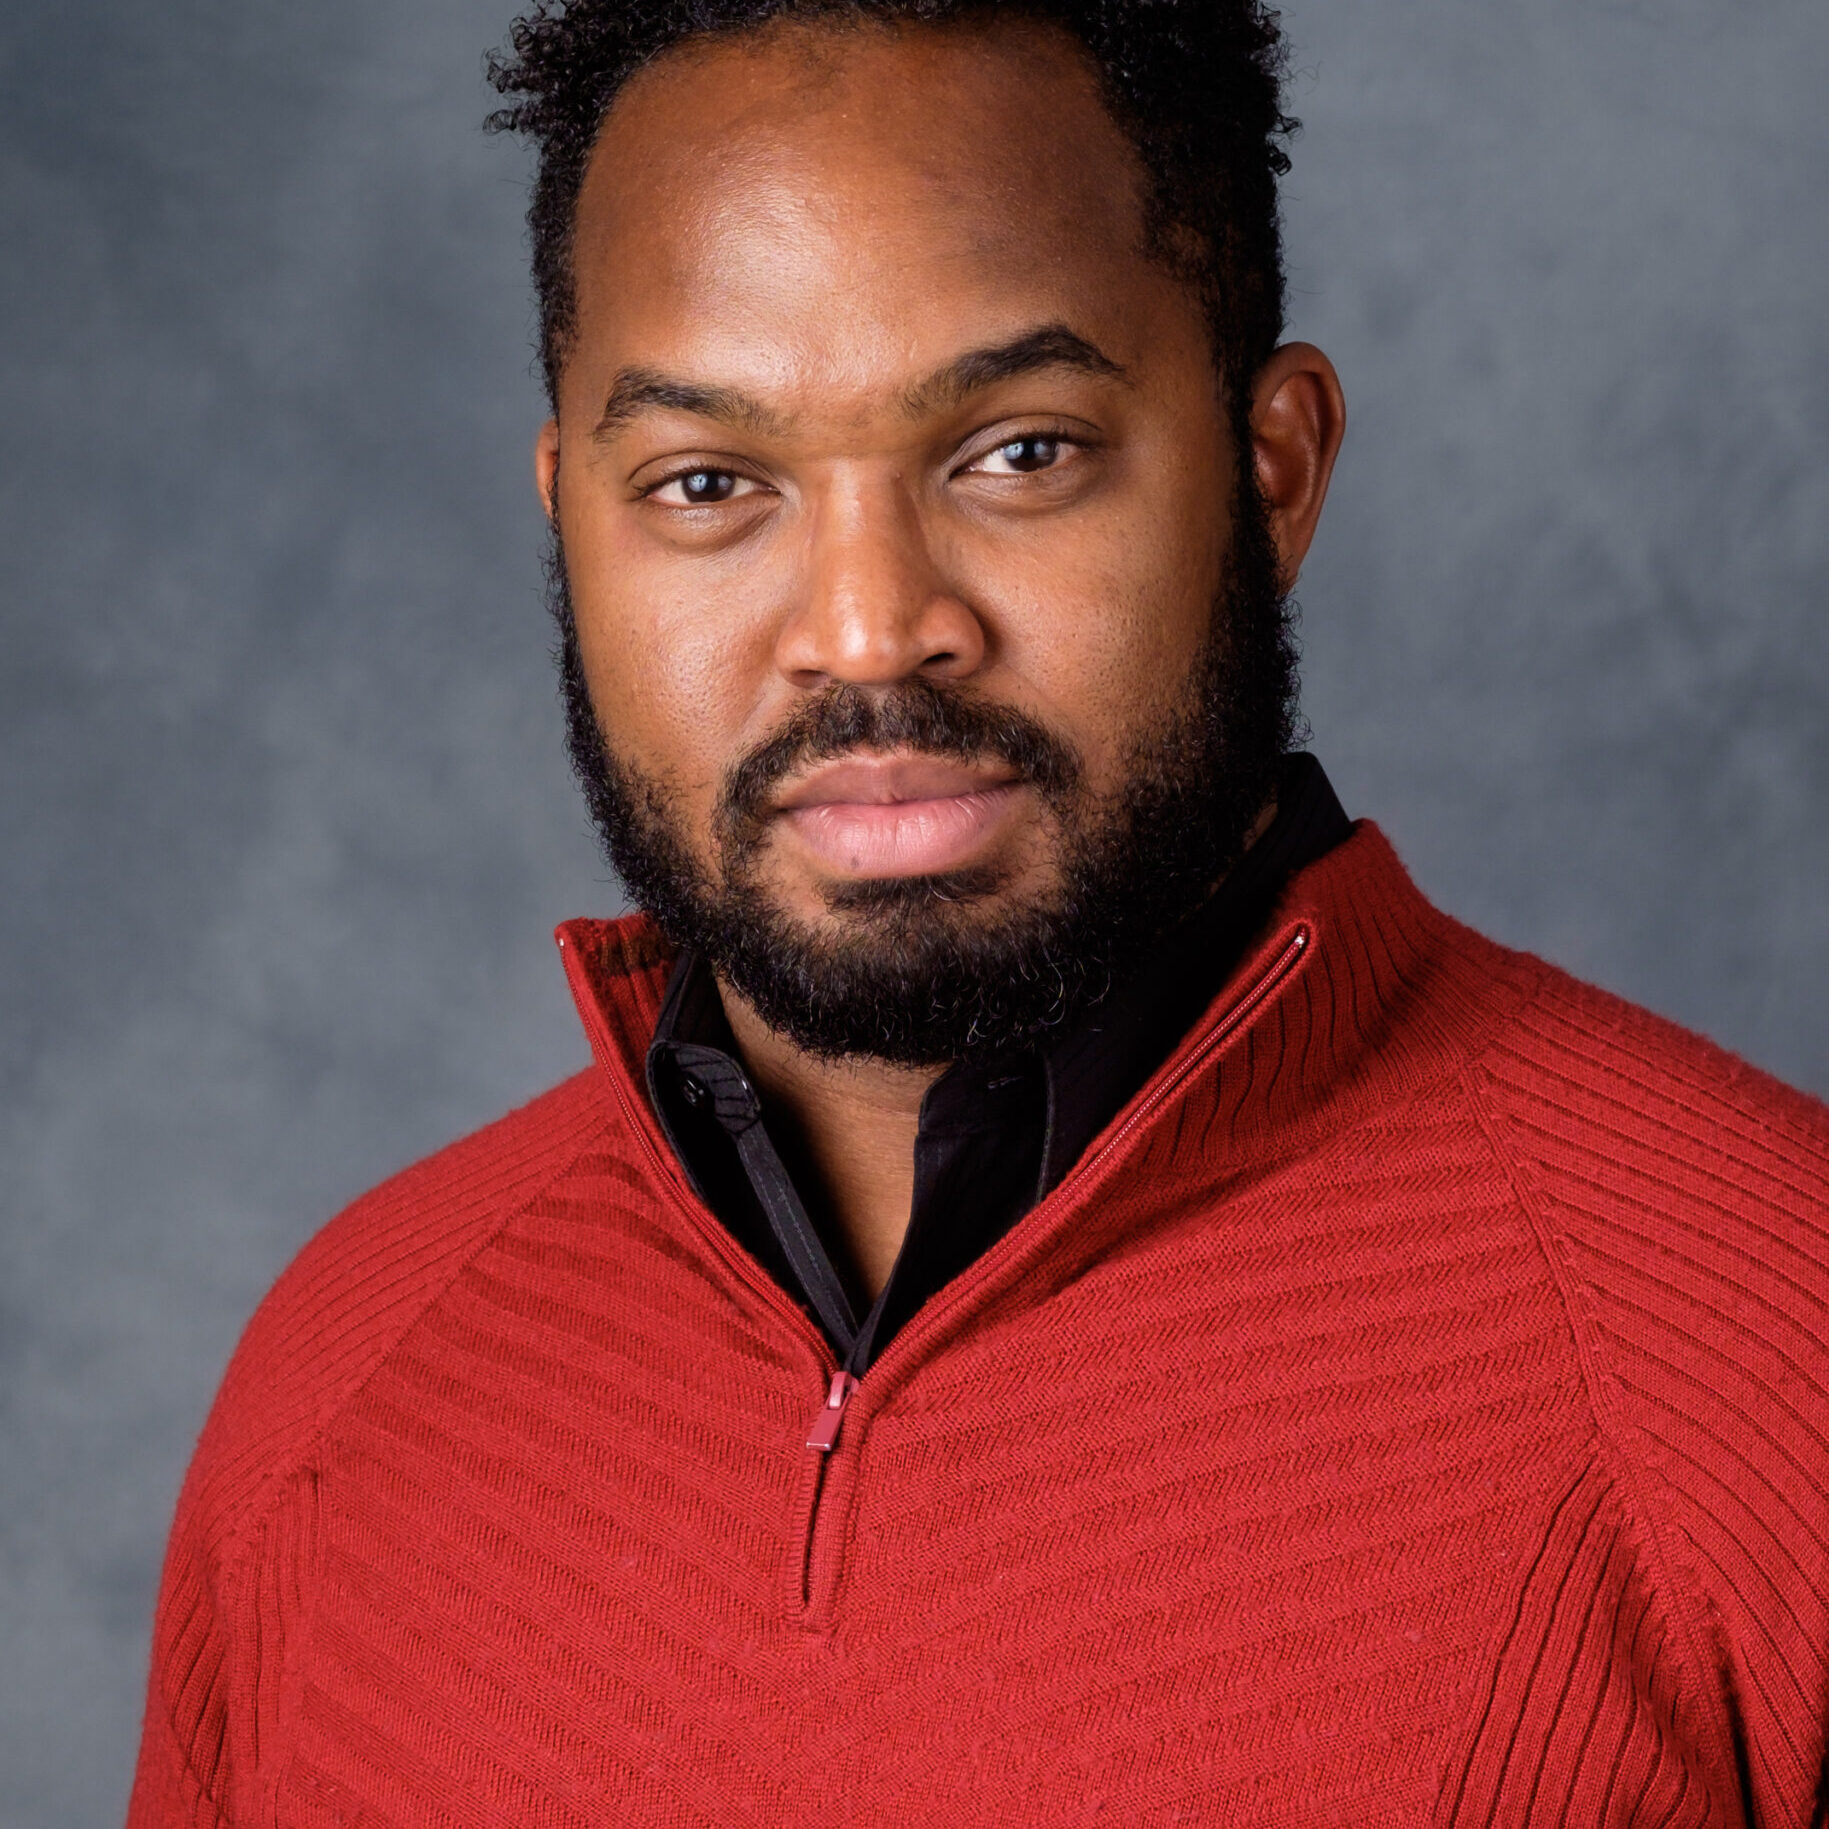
[(976, 886)]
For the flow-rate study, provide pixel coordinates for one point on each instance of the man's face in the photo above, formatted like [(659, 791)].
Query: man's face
[(900, 540)]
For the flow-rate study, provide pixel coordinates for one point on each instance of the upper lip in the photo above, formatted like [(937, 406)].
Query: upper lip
[(883, 780)]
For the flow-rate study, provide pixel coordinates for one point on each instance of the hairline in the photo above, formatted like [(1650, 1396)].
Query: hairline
[(1159, 226)]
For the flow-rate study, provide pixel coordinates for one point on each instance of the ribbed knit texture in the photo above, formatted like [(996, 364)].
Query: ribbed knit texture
[(1413, 1410)]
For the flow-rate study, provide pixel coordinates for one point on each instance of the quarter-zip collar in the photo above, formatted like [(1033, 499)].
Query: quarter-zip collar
[(995, 1134), (1277, 1053)]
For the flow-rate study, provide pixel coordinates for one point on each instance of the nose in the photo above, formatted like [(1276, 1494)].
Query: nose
[(873, 607)]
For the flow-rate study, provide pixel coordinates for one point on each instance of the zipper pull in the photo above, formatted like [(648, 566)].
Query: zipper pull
[(823, 1435)]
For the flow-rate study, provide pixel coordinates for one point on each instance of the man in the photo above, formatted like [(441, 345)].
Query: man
[(1070, 1292)]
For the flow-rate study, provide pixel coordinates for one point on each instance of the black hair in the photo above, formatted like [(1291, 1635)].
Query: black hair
[(1195, 85)]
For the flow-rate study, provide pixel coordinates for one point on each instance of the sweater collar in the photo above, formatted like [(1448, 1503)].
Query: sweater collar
[(1355, 932)]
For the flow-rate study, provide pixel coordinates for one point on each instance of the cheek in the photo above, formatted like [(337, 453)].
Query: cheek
[(675, 666), (1102, 625)]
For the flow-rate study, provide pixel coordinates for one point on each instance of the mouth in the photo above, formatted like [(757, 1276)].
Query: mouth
[(900, 815)]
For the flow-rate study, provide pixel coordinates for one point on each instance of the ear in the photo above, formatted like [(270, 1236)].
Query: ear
[(546, 468), (1298, 418)]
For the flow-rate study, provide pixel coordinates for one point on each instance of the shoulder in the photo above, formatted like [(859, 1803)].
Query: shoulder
[(360, 1284), (1683, 1198), (1629, 1120), (1623, 1131), (1683, 1187), (245, 1532), (1643, 1150)]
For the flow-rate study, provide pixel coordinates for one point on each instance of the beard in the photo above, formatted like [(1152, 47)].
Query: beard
[(921, 971)]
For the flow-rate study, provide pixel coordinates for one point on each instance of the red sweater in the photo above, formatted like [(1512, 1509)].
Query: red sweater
[(1414, 1409)]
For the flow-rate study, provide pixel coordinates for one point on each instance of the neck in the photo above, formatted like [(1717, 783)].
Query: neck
[(853, 1123)]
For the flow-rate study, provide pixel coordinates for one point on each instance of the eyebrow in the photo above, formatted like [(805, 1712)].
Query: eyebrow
[(637, 390), (1047, 346)]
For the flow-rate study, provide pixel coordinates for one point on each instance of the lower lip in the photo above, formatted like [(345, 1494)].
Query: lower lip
[(902, 837)]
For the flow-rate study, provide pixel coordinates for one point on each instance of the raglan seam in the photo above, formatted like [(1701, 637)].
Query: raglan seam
[(257, 1515), (1610, 1423), (239, 1541), (179, 1745)]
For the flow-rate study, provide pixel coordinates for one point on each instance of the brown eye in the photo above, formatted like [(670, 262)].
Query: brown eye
[(701, 488), (1026, 454)]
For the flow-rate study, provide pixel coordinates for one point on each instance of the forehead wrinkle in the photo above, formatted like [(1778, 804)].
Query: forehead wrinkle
[(638, 390)]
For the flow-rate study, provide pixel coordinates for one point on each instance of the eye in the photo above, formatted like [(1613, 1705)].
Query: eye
[(701, 488), (1023, 456)]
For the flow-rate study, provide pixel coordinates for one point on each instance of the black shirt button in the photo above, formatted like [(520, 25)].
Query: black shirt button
[(694, 1091)]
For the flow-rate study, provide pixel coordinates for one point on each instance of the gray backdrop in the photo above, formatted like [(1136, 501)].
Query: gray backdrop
[(285, 817)]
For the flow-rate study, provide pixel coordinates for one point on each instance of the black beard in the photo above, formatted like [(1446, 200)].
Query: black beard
[(924, 971)]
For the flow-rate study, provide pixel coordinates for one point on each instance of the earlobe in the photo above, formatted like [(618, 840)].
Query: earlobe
[(546, 468), (1298, 418)]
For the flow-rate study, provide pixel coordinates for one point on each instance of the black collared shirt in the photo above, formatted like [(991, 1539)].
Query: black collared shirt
[(994, 1136)]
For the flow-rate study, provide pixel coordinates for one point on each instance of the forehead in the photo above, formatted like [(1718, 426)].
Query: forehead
[(822, 206)]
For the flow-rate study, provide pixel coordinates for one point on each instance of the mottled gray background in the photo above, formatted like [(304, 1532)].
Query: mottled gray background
[(285, 819)]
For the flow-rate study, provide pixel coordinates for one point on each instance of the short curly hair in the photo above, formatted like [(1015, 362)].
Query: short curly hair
[(1195, 85)]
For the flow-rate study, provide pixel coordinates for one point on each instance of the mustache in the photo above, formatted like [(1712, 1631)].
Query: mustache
[(919, 715)]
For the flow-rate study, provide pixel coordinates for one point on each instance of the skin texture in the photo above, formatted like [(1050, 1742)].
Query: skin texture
[(787, 245)]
